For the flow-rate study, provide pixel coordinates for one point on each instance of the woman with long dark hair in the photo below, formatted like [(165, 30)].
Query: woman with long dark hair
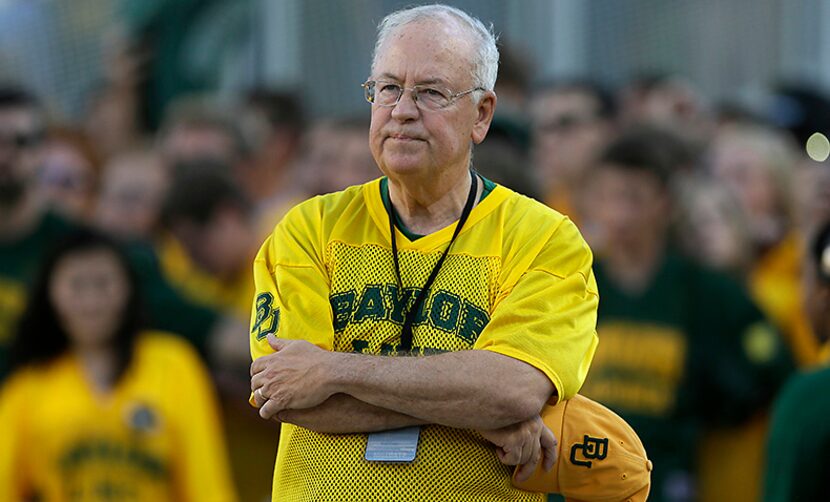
[(97, 408)]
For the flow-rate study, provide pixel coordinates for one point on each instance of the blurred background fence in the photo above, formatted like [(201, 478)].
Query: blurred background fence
[(729, 49)]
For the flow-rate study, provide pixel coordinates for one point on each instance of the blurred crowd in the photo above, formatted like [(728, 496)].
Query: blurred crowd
[(698, 213)]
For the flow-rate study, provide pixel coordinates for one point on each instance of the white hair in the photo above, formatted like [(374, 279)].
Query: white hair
[(486, 56)]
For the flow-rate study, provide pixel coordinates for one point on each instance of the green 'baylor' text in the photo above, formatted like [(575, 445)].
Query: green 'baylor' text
[(442, 310)]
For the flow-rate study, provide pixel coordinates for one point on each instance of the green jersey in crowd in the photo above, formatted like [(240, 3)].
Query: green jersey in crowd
[(687, 350), (798, 451)]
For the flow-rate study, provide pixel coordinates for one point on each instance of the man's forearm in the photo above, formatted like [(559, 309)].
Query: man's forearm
[(473, 389), (344, 414)]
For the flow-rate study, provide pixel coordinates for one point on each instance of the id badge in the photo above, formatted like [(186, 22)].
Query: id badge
[(399, 445)]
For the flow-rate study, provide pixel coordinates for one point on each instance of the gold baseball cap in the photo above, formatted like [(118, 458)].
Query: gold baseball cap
[(600, 457)]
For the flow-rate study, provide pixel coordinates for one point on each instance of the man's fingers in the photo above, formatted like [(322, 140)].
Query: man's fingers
[(524, 471), (269, 409), (257, 366), (550, 448), (508, 455), (528, 467), (530, 446), (261, 363), (515, 454), (276, 343), (258, 381), (534, 455), (259, 399)]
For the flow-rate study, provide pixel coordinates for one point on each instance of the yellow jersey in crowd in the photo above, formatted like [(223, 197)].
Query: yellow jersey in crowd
[(155, 436)]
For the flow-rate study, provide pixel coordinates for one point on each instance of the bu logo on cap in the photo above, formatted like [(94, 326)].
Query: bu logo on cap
[(592, 449)]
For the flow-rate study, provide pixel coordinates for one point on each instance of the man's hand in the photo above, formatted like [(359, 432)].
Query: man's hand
[(291, 378), (524, 444)]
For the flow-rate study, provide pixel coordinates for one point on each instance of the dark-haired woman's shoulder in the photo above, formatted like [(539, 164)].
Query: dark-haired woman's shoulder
[(23, 387), (166, 357)]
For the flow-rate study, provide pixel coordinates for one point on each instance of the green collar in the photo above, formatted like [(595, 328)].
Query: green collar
[(384, 195)]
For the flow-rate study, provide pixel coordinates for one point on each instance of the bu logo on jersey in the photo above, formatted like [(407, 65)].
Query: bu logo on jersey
[(591, 448), (267, 318)]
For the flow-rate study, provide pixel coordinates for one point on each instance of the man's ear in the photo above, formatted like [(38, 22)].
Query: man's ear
[(484, 116)]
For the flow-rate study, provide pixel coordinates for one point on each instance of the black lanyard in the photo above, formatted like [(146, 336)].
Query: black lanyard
[(409, 314)]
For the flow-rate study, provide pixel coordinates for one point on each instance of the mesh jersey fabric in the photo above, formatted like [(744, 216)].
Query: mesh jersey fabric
[(517, 281)]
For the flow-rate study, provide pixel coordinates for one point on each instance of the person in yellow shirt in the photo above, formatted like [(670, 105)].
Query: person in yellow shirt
[(213, 238), (97, 409), (489, 292)]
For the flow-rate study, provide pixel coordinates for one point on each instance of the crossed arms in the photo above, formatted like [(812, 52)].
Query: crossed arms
[(335, 392), (545, 314)]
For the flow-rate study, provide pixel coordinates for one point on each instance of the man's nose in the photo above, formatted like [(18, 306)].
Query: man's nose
[(407, 107)]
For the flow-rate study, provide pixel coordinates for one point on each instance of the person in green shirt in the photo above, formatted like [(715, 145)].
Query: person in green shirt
[(681, 347), (25, 228), (798, 449)]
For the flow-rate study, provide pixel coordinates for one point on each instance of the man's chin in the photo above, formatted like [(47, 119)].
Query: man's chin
[(404, 165), (405, 170)]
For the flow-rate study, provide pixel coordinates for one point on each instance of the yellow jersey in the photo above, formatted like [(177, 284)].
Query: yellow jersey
[(517, 281), (775, 284), (156, 436), (231, 297)]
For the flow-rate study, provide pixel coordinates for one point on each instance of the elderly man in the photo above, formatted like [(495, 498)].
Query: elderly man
[(489, 292)]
